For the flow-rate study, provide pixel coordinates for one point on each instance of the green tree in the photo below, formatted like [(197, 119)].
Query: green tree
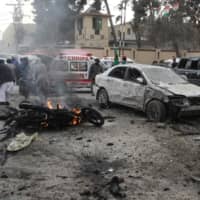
[(55, 19), (144, 11)]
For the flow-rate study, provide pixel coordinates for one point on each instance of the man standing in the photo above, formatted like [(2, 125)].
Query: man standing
[(95, 69), (124, 60), (6, 81)]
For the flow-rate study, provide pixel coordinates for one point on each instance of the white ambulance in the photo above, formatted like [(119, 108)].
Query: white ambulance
[(70, 71)]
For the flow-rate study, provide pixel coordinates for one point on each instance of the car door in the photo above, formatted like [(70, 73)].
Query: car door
[(114, 83), (134, 88)]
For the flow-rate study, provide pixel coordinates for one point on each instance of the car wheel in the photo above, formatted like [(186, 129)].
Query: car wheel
[(156, 111), (103, 98)]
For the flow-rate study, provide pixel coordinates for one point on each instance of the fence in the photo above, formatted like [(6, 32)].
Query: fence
[(146, 56)]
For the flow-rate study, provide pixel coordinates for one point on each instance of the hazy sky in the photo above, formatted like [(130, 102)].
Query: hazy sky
[(7, 11)]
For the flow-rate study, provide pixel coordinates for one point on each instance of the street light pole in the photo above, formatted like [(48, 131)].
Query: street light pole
[(17, 20)]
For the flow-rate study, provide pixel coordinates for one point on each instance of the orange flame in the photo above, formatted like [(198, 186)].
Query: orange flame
[(76, 110), (49, 104)]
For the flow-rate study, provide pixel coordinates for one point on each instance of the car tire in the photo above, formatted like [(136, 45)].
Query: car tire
[(156, 111), (103, 98)]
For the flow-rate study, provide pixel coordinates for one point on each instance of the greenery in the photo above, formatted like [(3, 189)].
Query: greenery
[(178, 27)]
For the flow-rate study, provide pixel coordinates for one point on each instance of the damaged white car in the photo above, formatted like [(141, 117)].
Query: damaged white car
[(157, 91)]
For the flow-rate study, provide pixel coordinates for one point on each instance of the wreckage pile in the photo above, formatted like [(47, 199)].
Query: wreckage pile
[(37, 118)]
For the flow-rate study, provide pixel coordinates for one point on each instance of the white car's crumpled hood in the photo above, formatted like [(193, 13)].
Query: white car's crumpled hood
[(188, 90)]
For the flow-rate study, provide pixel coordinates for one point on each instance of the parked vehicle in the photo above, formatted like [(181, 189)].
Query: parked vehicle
[(107, 62), (190, 67), (155, 90), (69, 71), (168, 62)]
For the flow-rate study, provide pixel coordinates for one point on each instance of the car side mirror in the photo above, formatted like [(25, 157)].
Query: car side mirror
[(140, 80)]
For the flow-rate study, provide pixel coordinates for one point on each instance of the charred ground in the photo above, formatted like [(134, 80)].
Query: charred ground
[(147, 161)]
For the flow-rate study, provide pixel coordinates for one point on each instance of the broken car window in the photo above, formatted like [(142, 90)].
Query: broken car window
[(118, 72), (133, 74)]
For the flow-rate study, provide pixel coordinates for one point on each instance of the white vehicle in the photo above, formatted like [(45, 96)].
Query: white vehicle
[(70, 71), (157, 91), (108, 62), (169, 62)]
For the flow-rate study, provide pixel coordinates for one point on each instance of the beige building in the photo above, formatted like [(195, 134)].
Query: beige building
[(91, 29)]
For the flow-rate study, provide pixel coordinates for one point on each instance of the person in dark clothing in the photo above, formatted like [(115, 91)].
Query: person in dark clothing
[(95, 69), (124, 59), (174, 63), (23, 72), (6, 81)]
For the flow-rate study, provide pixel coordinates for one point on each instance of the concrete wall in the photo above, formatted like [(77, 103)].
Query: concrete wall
[(146, 56)]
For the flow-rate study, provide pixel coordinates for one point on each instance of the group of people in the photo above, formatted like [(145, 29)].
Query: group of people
[(29, 75)]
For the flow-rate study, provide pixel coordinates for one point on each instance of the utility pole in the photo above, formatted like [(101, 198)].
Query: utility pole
[(111, 23), (17, 21), (124, 6)]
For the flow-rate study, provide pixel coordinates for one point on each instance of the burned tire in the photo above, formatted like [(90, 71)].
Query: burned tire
[(92, 116), (156, 111), (103, 98)]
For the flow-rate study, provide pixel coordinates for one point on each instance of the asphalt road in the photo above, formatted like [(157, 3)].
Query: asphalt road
[(153, 161)]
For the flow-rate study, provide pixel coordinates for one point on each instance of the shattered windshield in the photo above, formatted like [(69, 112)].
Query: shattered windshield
[(162, 75)]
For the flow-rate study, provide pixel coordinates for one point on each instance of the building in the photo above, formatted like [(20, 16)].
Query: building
[(91, 29), (9, 37)]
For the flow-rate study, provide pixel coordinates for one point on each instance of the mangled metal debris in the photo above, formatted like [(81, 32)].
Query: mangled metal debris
[(37, 118)]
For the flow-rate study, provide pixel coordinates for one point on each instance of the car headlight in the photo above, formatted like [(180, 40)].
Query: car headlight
[(180, 102)]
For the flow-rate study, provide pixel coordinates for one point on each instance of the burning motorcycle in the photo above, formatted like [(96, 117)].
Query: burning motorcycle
[(37, 118)]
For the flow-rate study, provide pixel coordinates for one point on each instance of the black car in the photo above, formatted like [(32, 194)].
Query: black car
[(190, 67)]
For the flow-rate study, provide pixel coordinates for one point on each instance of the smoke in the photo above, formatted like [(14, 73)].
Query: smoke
[(47, 82), (55, 19)]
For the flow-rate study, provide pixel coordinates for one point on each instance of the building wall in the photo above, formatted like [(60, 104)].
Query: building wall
[(145, 56), (123, 29), (88, 38)]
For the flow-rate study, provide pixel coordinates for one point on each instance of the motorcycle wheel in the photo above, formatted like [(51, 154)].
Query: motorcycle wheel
[(93, 116)]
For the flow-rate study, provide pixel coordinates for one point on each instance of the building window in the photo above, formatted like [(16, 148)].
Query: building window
[(128, 31), (97, 25), (80, 25)]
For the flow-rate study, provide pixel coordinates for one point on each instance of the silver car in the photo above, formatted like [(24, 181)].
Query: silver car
[(157, 91)]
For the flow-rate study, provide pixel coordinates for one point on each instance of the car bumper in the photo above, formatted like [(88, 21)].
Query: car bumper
[(190, 111)]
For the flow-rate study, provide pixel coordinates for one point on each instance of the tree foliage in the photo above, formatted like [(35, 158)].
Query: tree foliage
[(178, 28), (55, 19)]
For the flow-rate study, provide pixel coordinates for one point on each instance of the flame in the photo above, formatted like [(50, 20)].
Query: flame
[(44, 124), (59, 106), (76, 111), (76, 120), (49, 104)]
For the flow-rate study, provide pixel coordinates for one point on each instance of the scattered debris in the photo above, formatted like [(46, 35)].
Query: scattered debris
[(79, 138), (132, 122), (4, 175), (21, 141), (114, 187), (3, 155), (196, 178), (110, 144), (196, 138), (161, 125), (110, 170), (186, 129), (166, 189), (85, 193)]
